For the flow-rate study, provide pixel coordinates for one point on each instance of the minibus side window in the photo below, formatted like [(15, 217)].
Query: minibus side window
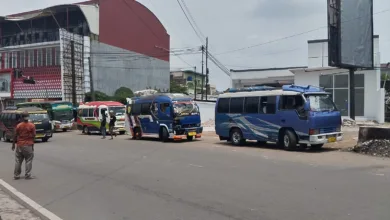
[(223, 105), (252, 105), (268, 105), (237, 105)]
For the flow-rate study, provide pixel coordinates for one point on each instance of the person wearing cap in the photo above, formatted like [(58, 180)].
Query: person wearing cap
[(112, 124), (24, 137)]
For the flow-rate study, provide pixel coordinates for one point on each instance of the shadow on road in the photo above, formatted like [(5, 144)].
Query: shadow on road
[(273, 146)]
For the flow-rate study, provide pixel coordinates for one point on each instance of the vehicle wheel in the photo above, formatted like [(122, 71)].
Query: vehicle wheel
[(190, 138), (137, 133), (45, 139), (86, 130), (65, 130), (236, 137), (122, 132), (164, 135), (316, 146), (289, 140)]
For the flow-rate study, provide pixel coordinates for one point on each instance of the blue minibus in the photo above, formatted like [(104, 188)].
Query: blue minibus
[(165, 116), (291, 116)]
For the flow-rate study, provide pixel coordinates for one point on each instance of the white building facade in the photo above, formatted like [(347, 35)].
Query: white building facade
[(369, 97)]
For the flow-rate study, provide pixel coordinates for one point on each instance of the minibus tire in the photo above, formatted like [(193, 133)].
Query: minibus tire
[(122, 132), (289, 140), (164, 134), (45, 139), (239, 140), (86, 130)]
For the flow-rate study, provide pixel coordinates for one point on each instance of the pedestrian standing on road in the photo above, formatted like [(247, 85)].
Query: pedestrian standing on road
[(24, 137), (103, 123), (112, 124)]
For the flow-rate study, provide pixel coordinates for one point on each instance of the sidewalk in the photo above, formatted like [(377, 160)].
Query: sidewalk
[(11, 210)]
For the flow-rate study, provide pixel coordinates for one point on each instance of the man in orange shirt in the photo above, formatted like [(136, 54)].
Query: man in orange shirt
[(24, 137)]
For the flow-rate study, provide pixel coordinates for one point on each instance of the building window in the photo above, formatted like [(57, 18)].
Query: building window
[(31, 58), (10, 60), (338, 87), (40, 57), (22, 59), (49, 56), (6, 61), (57, 56)]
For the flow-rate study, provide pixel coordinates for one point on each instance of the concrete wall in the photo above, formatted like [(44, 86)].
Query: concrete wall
[(207, 111), (113, 67)]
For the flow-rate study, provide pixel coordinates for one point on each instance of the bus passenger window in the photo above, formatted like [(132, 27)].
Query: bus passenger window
[(223, 105), (85, 113), (268, 105), (145, 109), (252, 105), (90, 112), (236, 105)]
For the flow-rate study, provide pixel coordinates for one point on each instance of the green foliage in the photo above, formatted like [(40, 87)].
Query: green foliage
[(120, 95), (177, 88), (100, 96)]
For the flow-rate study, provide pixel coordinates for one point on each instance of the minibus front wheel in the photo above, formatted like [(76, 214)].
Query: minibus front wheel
[(289, 140), (236, 137)]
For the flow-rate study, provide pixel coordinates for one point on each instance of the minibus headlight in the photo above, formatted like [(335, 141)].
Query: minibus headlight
[(314, 131)]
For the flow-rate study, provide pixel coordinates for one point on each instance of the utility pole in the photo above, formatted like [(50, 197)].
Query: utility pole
[(91, 80), (195, 83), (74, 100), (207, 68), (202, 72)]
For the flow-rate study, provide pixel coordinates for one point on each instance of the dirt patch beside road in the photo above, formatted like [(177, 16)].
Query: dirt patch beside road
[(11, 210)]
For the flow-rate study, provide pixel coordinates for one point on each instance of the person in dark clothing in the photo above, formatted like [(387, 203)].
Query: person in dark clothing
[(112, 124), (103, 123)]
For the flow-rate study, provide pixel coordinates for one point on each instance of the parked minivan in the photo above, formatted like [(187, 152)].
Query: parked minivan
[(9, 119), (304, 115)]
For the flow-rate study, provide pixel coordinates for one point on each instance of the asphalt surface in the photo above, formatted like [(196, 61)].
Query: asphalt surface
[(84, 177)]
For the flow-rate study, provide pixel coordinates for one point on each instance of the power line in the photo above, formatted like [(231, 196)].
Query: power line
[(189, 21), (291, 36)]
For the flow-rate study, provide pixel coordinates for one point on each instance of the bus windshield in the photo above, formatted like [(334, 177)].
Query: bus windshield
[(185, 108), (38, 117), (63, 115), (321, 102), (119, 110)]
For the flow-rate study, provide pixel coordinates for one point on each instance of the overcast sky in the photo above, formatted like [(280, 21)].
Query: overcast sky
[(232, 24)]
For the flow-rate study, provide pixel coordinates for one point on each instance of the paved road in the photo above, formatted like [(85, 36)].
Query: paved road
[(84, 177)]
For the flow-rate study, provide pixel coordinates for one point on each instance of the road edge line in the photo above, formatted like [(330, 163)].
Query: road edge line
[(28, 203)]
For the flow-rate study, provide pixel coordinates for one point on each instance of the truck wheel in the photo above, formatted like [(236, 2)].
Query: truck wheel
[(236, 137), (164, 135), (289, 140)]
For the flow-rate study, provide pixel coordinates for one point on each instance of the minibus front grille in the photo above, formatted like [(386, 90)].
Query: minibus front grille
[(327, 130)]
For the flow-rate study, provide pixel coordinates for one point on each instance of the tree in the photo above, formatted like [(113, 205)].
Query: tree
[(177, 88), (100, 96), (122, 93)]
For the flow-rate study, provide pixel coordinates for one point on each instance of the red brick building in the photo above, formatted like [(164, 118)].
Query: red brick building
[(120, 40)]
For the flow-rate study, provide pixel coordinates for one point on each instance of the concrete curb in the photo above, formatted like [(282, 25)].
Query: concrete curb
[(37, 209)]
